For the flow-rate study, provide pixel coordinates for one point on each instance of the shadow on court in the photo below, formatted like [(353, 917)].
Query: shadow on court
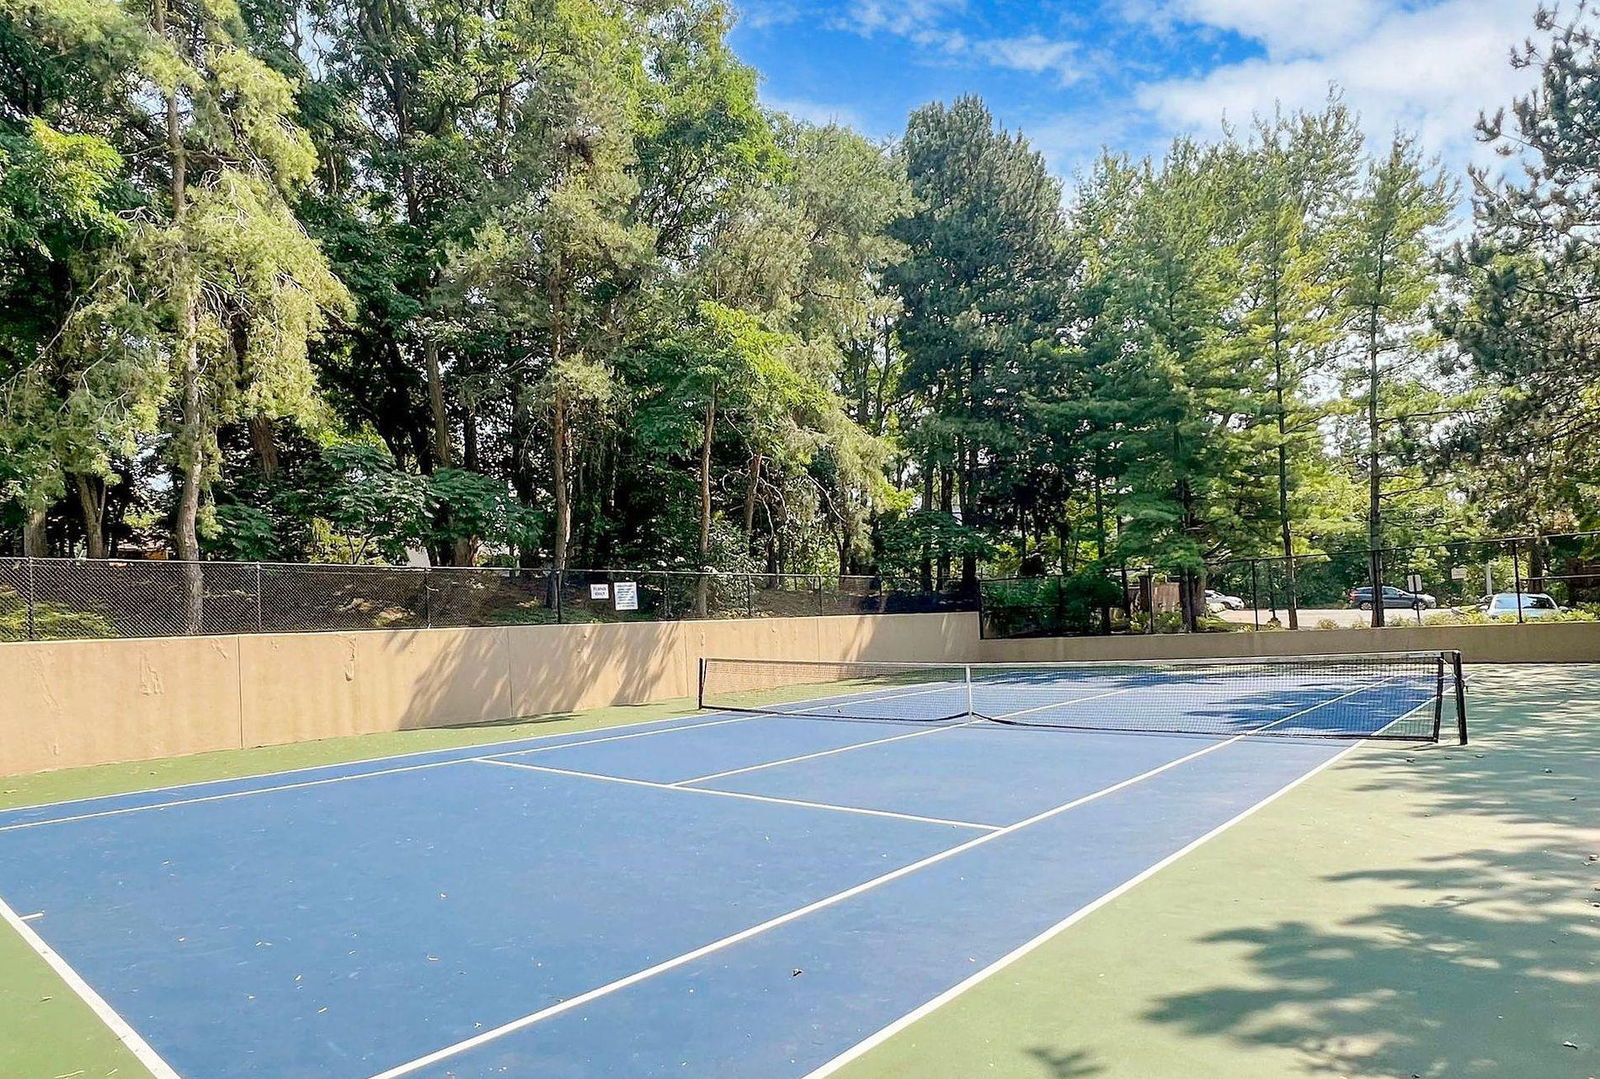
[(1481, 961), (1066, 1063)]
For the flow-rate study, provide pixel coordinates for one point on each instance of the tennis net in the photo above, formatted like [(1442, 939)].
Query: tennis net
[(1395, 695)]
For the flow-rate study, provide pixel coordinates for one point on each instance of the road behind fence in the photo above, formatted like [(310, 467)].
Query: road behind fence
[(1446, 582)]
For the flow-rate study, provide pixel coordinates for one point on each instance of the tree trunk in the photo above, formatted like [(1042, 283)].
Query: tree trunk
[(558, 468), (191, 452), (1100, 536), (92, 500), (703, 582), (946, 503), (264, 443), (927, 505), (752, 485), (442, 451), (469, 438), (35, 539), (1374, 475), (1291, 596), (191, 463), (969, 513)]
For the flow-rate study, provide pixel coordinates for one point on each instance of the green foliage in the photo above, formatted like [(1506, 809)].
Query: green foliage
[(543, 281)]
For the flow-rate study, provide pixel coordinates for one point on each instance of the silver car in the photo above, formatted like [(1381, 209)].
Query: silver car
[(1534, 605)]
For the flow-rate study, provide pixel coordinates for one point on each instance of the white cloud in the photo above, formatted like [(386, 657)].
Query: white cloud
[(926, 23), (1032, 53), (1286, 26), (1430, 71), (904, 18)]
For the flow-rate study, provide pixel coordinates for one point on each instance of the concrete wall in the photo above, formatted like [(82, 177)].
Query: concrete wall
[(1561, 642), (70, 703)]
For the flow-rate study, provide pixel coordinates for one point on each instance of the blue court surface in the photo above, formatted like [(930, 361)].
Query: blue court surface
[(720, 895)]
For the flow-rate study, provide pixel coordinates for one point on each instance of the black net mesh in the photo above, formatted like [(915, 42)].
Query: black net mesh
[(1378, 695)]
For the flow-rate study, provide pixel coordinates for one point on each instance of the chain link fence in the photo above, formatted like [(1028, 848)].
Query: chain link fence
[(63, 599)]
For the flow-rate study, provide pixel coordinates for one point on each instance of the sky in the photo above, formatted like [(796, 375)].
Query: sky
[(1076, 75)]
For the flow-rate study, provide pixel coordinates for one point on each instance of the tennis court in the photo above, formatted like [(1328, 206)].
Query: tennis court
[(764, 887)]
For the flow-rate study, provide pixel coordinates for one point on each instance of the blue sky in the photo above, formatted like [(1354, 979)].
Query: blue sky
[(1078, 74)]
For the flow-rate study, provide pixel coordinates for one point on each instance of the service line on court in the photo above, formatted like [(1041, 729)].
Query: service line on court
[(871, 1042), (607, 989), (462, 756), (737, 794), (822, 753), (1062, 704)]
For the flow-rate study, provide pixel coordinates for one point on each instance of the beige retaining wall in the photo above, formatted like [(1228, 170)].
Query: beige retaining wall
[(1561, 642), (70, 703)]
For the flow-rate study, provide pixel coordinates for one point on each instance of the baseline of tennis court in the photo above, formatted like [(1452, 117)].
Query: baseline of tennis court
[(717, 895)]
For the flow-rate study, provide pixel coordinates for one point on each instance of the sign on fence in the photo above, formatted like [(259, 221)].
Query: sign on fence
[(627, 593), (599, 591)]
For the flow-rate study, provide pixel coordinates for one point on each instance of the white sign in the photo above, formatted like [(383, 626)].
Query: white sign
[(1459, 573), (1414, 582), (627, 595), (599, 591)]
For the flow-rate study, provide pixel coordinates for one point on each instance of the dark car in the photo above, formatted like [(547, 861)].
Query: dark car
[(1392, 597)]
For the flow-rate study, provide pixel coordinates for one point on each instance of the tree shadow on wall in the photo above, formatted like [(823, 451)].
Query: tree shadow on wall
[(1483, 962)]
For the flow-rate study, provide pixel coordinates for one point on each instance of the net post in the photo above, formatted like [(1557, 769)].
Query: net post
[(1461, 697), (966, 671), (700, 685), (1438, 694)]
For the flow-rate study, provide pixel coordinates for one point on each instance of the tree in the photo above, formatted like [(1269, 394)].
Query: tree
[(1180, 397), (1295, 177), (1389, 279), (981, 286), (1526, 287)]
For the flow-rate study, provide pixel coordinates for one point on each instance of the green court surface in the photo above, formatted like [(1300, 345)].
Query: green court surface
[(1408, 912)]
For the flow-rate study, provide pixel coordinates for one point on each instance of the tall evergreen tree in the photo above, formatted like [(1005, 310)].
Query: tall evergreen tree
[(1389, 279), (982, 284)]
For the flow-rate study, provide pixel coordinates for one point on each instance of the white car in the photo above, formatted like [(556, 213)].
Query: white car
[(1534, 605), (1217, 599)]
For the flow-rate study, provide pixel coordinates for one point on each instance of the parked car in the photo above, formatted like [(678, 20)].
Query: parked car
[(1534, 605), (1393, 598), (1216, 599)]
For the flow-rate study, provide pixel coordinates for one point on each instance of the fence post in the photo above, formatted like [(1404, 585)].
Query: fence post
[(555, 577), (1255, 589), (33, 585), (749, 596), (427, 597), (1516, 573), (258, 597)]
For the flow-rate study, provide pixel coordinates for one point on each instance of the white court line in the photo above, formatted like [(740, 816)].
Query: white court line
[(871, 1042), (737, 794), (827, 901), (1063, 704), (376, 760), (605, 737), (35, 916), (129, 1037), (345, 778), (823, 753), (880, 741)]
